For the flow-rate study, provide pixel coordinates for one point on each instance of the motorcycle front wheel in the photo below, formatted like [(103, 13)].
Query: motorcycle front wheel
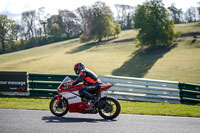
[(59, 109), (111, 109)]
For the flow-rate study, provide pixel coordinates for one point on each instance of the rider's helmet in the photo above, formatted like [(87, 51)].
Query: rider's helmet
[(78, 67)]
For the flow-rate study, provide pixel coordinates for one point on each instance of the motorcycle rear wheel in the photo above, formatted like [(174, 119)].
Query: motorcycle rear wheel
[(111, 110), (56, 110)]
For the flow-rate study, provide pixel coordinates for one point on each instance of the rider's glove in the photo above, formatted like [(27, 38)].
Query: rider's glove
[(67, 85), (70, 86)]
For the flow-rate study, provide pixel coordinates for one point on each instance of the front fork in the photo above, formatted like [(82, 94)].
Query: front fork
[(59, 97)]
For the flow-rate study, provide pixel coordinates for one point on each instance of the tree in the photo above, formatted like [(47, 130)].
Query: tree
[(5, 30), (117, 29), (70, 20), (98, 23), (15, 30), (175, 13), (198, 8), (124, 15), (155, 28), (55, 26), (84, 16), (42, 18), (28, 19), (191, 14), (102, 21)]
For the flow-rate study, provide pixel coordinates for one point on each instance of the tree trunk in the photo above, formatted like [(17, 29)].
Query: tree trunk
[(100, 39), (44, 29), (3, 45)]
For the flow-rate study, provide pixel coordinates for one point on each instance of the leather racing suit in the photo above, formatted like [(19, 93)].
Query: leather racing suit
[(91, 81)]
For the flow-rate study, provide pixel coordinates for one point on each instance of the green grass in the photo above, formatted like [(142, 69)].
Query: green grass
[(113, 57), (127, 107), (166, 109), (188, 28), (179, 64), (24, 103)]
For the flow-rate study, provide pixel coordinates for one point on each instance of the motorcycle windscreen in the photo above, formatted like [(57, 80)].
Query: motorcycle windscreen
[(65, 79)]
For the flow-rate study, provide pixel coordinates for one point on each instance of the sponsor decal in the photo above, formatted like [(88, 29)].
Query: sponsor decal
[(13, 81)]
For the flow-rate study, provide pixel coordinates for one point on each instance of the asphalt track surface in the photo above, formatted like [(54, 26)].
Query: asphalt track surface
[(34, 121)]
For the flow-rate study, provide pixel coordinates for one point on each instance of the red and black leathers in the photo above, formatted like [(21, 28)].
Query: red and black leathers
[(91, 81), (88, 77)]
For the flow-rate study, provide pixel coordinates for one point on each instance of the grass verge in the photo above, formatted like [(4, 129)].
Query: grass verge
[(128, 107), (30, 103), (165, 109)]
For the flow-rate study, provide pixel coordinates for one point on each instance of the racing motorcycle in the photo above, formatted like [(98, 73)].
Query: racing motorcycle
[(70, 100)]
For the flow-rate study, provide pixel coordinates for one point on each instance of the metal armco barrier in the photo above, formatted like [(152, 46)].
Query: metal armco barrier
[(125, 88), (189, 93), (138, 89), (45, 84)]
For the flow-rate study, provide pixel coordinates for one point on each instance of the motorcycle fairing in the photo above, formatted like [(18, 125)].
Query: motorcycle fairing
[(74, 102), (71, 97)]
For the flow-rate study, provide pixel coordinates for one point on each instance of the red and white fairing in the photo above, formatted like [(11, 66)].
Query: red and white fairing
[(72, 95)]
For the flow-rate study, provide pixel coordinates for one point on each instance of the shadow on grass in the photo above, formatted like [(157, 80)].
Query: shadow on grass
[(129, 40), (88, 46), (197, 25), (140, 63)]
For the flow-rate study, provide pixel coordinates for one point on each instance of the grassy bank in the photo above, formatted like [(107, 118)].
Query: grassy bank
[(188, 27), (128, 107), (114, 57)]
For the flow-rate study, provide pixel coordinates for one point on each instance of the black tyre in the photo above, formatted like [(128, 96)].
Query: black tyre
[(112, 108), (58, 110)]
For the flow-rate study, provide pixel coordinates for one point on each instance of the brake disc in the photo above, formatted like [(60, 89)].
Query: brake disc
[(108, 108)]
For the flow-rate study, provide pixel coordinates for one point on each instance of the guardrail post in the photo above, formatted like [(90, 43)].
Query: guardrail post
[(189, 93)]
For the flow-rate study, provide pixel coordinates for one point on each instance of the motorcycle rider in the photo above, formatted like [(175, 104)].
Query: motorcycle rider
[(91, 81)]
